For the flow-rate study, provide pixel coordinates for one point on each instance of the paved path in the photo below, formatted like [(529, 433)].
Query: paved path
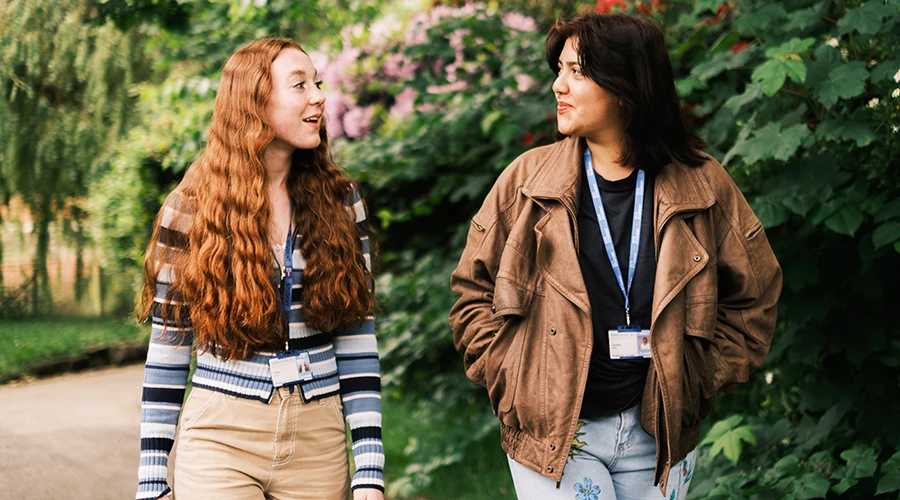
[(71, 437)]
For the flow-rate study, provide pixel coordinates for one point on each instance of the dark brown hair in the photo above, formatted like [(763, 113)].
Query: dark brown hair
[(627, 57)]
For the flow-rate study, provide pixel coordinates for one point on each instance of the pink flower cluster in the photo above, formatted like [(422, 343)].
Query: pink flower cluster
[(347, 73)]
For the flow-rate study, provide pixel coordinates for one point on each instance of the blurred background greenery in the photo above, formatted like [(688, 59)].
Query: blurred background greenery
[(104, 104)]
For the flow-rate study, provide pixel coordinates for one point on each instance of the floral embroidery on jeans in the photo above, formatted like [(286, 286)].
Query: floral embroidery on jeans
[(586, 491), (577, 445), (686, 472)]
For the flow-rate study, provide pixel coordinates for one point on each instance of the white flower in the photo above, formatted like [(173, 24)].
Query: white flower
[(896, 93), (871, 63), (832, 43), (897, 76), (895, 128), (873, 103), (845, 54), (769, 375)]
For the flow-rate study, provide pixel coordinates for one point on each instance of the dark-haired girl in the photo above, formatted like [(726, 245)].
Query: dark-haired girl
[(613, 282)]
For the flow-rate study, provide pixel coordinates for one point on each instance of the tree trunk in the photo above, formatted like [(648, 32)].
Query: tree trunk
[(41, 294)]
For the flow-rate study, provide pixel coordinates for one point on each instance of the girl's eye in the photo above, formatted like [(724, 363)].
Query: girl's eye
[(319, 84), (300, 85)]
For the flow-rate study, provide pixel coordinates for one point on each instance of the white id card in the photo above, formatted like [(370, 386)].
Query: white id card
[(629, 342), (290, 368)]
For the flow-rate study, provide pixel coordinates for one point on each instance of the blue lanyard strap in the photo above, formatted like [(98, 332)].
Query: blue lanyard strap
[(607, 235), (287, 280)]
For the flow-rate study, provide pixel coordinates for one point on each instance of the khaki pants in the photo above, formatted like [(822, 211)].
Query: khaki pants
[(232, 448)]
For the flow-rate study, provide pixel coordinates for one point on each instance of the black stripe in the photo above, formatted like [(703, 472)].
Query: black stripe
[(168, 368), (296, 295), (372, 486), (348, 357), (238, 375), (365, 433), (317, 340), (356, 384), (152, 481), (157, 444), (172, 238), (164, 314), (372, 469), (163, 395)]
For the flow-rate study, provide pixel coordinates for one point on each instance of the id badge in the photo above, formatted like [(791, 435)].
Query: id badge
[(290, 367), (629, 342)]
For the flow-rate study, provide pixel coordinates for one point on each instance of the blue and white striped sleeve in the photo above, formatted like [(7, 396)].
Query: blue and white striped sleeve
[(167, 368), (356, 351)]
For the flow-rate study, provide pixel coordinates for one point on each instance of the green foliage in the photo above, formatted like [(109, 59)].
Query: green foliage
[(27, 342), (64, 100)]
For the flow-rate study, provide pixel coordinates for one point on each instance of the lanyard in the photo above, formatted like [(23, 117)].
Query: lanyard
[(287, 279), (607, 235)]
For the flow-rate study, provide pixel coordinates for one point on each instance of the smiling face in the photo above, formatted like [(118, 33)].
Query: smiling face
[(584, 109), (294, 110)]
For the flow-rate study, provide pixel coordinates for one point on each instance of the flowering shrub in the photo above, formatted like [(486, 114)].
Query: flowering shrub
[(440, 108)]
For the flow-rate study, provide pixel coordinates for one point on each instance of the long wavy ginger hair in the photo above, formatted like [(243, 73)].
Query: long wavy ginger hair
[(223, 269)]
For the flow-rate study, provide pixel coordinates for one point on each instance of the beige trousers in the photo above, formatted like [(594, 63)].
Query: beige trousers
[(231, 448)]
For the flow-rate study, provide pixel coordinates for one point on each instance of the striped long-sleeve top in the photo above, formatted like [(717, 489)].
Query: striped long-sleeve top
[(343, 362)]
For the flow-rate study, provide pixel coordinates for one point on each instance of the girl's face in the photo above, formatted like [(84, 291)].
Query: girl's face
[(294, 110), (584, 109)]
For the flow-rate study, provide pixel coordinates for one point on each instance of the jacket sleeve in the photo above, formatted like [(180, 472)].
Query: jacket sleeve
[(472, 317), (749, 286), (166, 370), (356, 350)]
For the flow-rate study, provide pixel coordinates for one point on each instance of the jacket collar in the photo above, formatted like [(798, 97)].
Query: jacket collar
[(679, 188)]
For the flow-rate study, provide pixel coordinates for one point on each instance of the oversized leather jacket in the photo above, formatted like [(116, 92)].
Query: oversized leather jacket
[(523, 321)]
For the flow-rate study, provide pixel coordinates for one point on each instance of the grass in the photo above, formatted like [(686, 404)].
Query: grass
[(27, 342)]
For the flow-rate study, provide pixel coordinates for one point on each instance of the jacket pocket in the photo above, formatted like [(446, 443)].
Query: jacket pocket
[(504, 356), (698, 386)]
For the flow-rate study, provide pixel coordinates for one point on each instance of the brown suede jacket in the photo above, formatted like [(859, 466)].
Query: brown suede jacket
[(523, 321)]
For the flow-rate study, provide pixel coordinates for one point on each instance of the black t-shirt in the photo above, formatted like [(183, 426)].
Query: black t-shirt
[(615, 385)]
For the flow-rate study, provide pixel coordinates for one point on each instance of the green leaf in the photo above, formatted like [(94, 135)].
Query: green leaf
[(770, 212), (890, 482), (716, 64), (771, 142), (886, 234), (687, 86), (732, 443), (848, 131), (884, 70), (844, 82), (889, 211), (794, 46), (827, 59), (861, 462), (785, 62), (720, 428), (844, 485), (891, 470), (761, 18), (802, 19), (867, 19), (845, 221), (771, 75), (812, 485), (489, 120), (752, 92)]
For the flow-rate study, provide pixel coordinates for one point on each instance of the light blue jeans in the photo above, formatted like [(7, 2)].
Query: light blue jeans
[(612, 458)]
